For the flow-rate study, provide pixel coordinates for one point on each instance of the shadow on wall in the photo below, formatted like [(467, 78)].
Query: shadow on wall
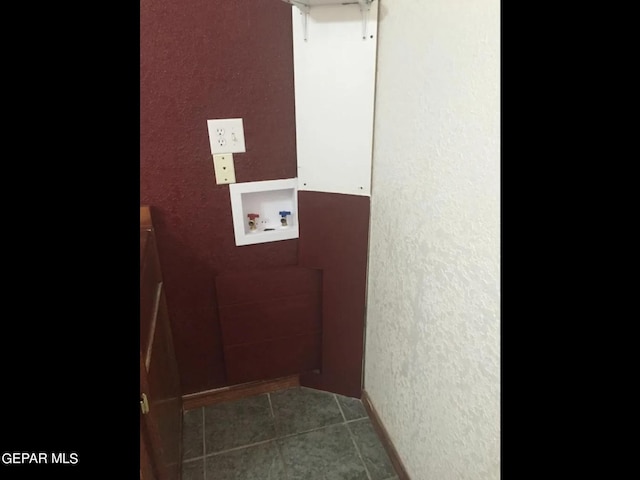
[(192, 307)]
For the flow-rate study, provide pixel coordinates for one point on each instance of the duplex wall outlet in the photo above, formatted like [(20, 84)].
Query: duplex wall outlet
[(224, 169), (226, 135)]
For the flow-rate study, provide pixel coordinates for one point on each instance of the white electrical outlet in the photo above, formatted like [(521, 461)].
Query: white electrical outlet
[(226, 135), (223, 166)]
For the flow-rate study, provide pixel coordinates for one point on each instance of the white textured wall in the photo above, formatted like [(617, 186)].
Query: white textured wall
[(432, 366)]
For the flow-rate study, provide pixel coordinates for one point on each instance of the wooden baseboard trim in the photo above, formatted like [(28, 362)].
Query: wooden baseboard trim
[(384, 437), (235, 392), (145, 218)]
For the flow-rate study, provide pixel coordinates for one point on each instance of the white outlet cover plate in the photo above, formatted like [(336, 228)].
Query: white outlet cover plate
[(226, 135), (224, 169)]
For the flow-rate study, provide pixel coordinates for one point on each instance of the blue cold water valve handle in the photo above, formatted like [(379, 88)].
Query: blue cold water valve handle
[(284, 213)]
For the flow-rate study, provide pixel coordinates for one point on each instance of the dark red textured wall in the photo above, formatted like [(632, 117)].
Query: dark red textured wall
[(334, 236), (202, 59)]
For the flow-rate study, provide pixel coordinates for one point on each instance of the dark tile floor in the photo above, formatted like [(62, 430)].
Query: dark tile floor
[(292, 434)]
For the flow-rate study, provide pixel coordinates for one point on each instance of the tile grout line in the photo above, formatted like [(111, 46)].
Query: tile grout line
[(233, 449), (277, 437), (284, 465), (271, 409), (275, 440), (273, 415), (357, 420), (247, 445), (315, 429), (193, 459), (339, 408), (353, 440), (358, 451), (289, 435)]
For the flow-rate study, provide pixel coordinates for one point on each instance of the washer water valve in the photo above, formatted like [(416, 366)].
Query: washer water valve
[(252, 220), (283, 217)]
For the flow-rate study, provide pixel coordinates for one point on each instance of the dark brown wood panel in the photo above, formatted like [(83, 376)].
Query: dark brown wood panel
[(271, 322), (165, 399), (281, 317), (336, 241), (150, 279), (145, 218), (266, 284), (273, 358), (161, 423), (147, 471)]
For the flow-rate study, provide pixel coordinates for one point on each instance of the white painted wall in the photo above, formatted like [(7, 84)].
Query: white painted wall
[(432, 366)]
